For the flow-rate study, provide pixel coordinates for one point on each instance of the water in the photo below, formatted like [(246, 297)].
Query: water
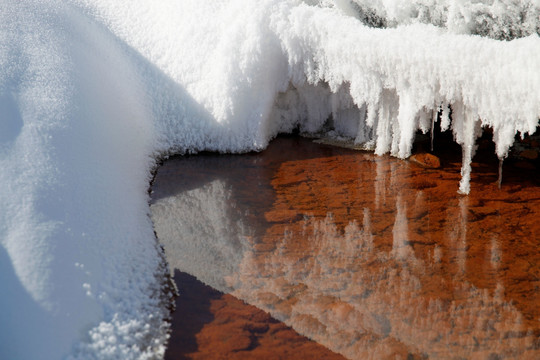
[(370, 257)]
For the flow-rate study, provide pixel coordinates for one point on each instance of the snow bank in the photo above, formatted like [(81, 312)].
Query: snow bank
[(81, 273), (92, 91)]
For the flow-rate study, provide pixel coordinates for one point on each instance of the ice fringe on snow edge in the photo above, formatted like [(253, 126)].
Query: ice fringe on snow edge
[(399, 79)]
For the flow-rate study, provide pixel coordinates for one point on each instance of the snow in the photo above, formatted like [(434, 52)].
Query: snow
[(76, 239), (499, 19), (92, 92)]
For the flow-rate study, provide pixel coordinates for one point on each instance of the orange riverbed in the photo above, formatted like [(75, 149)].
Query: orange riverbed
[(369, 257)]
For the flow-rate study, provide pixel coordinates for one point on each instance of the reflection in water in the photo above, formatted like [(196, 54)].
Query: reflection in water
[(209, 242), (369, 256)]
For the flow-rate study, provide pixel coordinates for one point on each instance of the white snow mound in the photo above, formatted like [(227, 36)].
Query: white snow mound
[(93, 91)]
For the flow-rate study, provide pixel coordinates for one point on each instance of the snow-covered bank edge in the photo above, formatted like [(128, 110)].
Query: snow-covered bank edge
[(82, 272), (92, 92)]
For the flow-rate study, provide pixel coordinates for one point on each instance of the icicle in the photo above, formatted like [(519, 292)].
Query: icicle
[(499, 181), (423, 121), (464, 184), (401, 248), (433, 115), (372, 110), (466, 130), (445, 117), (388, 106)]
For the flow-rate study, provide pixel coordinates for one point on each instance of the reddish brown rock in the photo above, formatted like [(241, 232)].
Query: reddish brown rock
[(524, 164), (213, 325), (529, 154), (426, 160)]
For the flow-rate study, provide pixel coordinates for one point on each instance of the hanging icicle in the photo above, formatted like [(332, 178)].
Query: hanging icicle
[(434, 114), (499, 180)]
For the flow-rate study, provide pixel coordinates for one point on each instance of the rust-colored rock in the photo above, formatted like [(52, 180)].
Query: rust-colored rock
[(524, 164), (426, 160), (211, 325), (530, 154)]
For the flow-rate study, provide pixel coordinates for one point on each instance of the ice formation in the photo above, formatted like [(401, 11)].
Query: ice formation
[(498, 19), (93, 91)]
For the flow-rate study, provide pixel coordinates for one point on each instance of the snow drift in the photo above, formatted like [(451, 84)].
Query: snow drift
[(93, 91)]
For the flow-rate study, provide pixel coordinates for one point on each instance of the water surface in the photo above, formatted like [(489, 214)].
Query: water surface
[(370, 257)]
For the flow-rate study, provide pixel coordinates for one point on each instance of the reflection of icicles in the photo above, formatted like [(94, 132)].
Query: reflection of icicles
[(396, 179), (202, 232), (366, 231), (462, 254), (400, 247), (327, 242), (380, 182), (437, 254), (388, 180), (457, 222), (340, 290), (495, 252)]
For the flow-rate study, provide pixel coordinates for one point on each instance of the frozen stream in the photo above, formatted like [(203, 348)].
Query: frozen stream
[(369, 256)]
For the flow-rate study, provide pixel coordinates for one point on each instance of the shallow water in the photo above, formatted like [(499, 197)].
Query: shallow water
[(370, 257)]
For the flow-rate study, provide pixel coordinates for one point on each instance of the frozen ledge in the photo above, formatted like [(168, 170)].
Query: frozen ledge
[(399, 80)]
